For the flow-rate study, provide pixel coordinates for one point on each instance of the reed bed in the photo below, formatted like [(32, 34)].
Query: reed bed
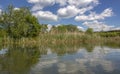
[(60, 38)]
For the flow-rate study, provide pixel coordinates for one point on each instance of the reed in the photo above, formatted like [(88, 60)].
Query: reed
[(60, 38)]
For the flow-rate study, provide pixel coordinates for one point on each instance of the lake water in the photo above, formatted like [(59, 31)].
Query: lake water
[(62, 59)]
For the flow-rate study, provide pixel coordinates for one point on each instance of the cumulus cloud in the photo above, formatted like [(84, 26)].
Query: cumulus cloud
[(45, 15), (98, 26), (40, 4), (61, 2), (107, 12), (16, 8), (85, 9), (68, 12), (76, 7), (80, 28), (70, 8), (33, 1), (93, 16), (83, 3), (71, 11)]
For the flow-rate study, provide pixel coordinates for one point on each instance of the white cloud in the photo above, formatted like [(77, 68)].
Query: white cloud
[(16, 8), (81, 18), (98, 26), (80, 28), (36, 7), (83, 3), (49, 27), (71, 11), (61, 2), (93, 16), (107, 13), (45, 15), (85, 9), (73, 7), (68, 12), (40, 4), (70, 8), (33, 1)]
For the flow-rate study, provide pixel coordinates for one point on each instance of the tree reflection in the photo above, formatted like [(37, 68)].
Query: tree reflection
[(62, 49), (19, 60), (89, 47)]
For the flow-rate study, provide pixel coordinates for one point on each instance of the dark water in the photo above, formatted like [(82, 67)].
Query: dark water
[(62, 59)]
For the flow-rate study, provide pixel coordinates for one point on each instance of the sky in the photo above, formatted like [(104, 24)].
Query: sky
[(96, 14)]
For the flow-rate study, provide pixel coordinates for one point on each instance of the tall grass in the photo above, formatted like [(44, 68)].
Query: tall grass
[(60, 38)]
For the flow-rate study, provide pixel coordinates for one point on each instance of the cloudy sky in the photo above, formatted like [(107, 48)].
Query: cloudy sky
[(96, 14)]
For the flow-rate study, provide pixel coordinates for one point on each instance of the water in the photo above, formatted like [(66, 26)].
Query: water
[(60, 59)]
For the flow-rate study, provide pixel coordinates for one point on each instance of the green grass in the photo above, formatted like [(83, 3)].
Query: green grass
[(48, 39)]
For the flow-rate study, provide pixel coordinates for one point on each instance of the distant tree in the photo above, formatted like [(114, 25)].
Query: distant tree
[(89, 31), (71, 28), (65, 28), (19, 23), (58, 29)]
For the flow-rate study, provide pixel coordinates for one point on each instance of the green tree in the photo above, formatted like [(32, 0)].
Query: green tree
[(58, 29), (89, 31), (71, 28), (65, 28), (19, 23)]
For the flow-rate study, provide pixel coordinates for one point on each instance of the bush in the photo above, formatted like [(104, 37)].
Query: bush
[(19, 23)]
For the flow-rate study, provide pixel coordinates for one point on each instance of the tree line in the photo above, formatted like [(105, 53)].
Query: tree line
[(19, 23)]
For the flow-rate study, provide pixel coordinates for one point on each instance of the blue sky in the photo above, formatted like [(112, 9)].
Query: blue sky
[(96, 14)]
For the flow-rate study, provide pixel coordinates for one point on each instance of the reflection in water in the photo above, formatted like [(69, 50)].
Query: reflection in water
[(18, 60), (62, 59), (80, 63), (3, 51)]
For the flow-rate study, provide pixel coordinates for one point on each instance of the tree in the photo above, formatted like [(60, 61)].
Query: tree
[(19, 23), (89, 31), (65, 28), (71, 28)]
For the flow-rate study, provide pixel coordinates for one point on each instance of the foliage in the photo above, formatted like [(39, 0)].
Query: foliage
[(109, 34), (89, 31), (19, 23), (64, 28)]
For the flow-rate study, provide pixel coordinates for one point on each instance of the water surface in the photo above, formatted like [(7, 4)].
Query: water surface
[(62, 59)]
